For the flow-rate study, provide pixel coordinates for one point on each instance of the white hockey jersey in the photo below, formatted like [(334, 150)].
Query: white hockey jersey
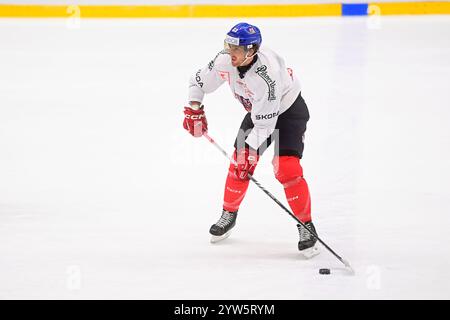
[(267, 89)]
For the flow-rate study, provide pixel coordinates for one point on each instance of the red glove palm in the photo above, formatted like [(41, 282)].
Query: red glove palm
[(246, 160), (195, 121)]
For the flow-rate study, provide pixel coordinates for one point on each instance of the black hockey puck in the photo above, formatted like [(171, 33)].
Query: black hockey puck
[(324, 271)]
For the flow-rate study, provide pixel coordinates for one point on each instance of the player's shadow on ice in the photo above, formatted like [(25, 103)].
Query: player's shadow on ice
[(259, 250)]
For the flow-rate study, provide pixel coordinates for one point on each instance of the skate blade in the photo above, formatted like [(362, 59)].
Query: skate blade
[(310, 252), (215, 239)]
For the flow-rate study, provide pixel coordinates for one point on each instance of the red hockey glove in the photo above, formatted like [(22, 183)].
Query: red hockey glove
[(246, 159), (195, 121)]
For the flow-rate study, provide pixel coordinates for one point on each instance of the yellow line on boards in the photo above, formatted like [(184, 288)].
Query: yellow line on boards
[(390, 8), (175, 11), (212, 11)]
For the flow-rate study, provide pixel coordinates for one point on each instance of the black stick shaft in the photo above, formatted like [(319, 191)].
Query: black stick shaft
[(279, 203)]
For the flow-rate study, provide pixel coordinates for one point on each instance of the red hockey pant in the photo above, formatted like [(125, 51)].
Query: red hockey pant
[(289, 173)]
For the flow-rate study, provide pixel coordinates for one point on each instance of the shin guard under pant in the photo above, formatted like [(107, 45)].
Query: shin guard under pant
[(235, 189), (289, 172)]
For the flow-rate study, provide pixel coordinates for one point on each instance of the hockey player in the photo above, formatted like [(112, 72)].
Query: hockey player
[(276, 111)]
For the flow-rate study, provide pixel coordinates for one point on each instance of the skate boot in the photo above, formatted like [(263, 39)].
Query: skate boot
[(222, 228), (307, 244)]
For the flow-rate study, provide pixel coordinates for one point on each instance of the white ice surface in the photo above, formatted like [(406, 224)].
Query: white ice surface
[(104, 195)]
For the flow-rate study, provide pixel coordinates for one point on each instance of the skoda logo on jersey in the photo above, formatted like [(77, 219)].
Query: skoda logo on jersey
[(266, 116), (232, 40), (198, 79)]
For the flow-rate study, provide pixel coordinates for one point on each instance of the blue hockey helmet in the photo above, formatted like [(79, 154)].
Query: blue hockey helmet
[(244, 34)]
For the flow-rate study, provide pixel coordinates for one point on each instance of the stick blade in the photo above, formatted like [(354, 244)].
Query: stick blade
[(349, 267)]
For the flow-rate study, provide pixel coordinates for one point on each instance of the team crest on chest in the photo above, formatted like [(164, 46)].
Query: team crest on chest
[(243, 85)]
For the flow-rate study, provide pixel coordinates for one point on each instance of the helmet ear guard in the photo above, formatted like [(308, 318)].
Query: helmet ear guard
[(255, 48)]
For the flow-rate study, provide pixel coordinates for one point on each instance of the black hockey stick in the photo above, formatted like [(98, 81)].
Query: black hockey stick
[(345, 262)]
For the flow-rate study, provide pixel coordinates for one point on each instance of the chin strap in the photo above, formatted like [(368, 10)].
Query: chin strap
[(246, 57)]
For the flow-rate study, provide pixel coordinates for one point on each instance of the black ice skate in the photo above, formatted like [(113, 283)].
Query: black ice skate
[(307, 244), (222, 228)]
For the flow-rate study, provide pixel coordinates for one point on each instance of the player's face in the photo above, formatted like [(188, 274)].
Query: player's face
[(237, 54)]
